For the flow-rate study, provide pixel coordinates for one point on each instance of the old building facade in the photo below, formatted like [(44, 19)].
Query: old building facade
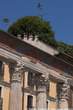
[(34, 76)]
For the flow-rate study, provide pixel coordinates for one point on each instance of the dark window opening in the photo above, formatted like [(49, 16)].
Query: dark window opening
[(30, 79), (29, 102), (1, 100), (1, 68), (0, 91)]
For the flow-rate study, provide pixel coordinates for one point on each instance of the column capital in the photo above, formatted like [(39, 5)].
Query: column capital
[(65, 91), (41, 80), (64, 95), (16, 71)]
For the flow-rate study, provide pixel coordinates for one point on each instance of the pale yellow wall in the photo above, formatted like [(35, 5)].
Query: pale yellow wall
[(22, 80), (25, 79), (25, 101), (52, 93), (52, 89), (34, 101), (6, 90), (52, 105), (6, 73), (6, 94)]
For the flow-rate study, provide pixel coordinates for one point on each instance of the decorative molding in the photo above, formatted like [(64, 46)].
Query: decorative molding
[(16, 70)]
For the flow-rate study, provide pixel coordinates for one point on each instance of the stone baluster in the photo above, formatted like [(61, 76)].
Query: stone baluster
[(16, 90)]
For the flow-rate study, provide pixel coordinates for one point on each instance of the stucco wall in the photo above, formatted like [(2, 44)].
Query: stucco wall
[(52, 89), (52, 105), (6, 73), (5, 89), (52, 93), (6, 94)]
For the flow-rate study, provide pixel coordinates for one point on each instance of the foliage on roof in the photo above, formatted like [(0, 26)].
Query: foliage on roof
[(34, 25), (65, 48)]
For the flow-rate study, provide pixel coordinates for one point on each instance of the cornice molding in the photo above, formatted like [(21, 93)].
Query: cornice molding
[(27, 64), (42, 46)]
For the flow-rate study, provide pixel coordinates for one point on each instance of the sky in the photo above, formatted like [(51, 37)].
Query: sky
[(58, 12)]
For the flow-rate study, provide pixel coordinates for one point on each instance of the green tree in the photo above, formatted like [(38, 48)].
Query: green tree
[(33, 25)]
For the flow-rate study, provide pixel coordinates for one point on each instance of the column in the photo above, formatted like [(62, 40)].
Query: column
[(42, 98), (64, 96), (16, 90)]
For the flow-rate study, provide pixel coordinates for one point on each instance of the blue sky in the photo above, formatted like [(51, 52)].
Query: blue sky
[(58, 12)]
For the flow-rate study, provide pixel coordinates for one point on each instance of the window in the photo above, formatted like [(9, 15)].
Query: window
[(1, 67), (1, 100), (0, 91), (29, 102), (30, 79)]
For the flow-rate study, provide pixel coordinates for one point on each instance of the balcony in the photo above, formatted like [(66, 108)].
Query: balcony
[(1, 101)]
